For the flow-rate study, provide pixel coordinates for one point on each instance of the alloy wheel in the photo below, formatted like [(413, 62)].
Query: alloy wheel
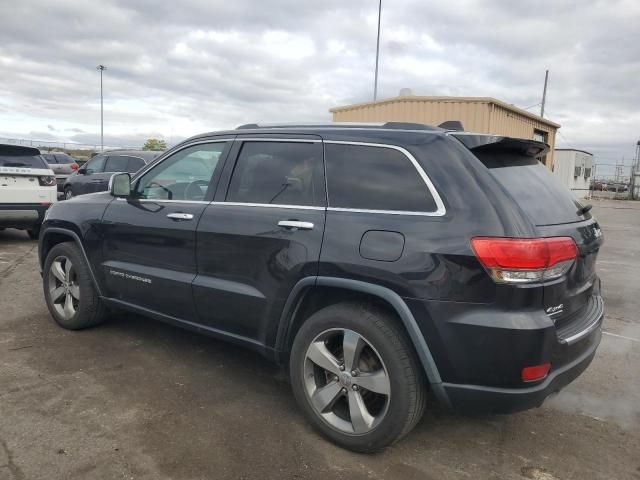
[(346, 381), (64, 291)]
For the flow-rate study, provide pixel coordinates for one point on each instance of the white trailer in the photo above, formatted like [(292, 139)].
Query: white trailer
[(574, 168)]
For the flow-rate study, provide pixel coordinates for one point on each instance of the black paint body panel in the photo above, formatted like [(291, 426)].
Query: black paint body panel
[(233, 272)]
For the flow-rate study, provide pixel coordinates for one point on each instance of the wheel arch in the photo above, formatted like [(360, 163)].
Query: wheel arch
[(52, 236), (295, 313)]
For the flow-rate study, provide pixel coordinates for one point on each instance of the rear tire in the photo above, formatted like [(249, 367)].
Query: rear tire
[(383, 396), (69, 290)]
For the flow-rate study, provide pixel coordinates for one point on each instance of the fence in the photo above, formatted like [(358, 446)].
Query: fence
[(78, 150)]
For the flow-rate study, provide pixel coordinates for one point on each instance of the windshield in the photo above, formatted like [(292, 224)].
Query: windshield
[(22, 161)]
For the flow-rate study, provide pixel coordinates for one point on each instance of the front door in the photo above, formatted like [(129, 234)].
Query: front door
[(261, 235), (149, 239)]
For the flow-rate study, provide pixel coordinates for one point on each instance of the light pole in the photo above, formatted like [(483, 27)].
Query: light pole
[(375, 81), (102, 68)]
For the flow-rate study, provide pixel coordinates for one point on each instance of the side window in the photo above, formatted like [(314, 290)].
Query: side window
[(49, 158), (374, 178), (134, 164), (96, 164), (284, 173), (185, 175), (116, 163), (63, 159)]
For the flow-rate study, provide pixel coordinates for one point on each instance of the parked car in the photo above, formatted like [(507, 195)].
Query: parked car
[(94, 175), (383, 264), (27, 188), (63, 165)]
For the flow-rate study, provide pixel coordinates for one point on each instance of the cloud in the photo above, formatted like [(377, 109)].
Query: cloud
[(175, 70), (51, 128)]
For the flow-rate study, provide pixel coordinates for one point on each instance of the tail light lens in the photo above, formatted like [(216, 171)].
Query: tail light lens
[(74, 166), (525, 260), (47, 181)]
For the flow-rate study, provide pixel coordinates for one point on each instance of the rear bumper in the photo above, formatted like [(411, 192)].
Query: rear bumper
[(475, 399), (22, 215)]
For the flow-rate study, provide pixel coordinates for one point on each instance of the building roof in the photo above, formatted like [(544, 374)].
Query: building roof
[(416, 98)]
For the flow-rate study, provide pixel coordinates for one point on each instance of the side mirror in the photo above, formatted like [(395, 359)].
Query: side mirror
[(120, 185), (82, 170)]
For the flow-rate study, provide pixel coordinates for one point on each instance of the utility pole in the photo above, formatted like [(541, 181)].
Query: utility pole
[(544, 92), (375, 82), (102, 68)]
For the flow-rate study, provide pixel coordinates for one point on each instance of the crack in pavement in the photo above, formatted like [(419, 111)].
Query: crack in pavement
[(13, 468)]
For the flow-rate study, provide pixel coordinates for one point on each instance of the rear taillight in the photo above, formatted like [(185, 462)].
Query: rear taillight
[(535, 373), (47, 181), (525, 260), (74, 166)]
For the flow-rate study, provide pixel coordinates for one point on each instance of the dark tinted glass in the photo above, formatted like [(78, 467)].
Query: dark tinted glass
[(278, 173), (116, 163), (96, 164), (22, 161), (374, 178), (49, 158), (64, 159), (134, 164), (532, 185)]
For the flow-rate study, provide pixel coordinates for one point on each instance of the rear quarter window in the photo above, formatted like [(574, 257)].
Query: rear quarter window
[(375, 178)]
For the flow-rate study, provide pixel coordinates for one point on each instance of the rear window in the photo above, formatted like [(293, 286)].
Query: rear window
[(23, 161), (532, 185), (64, 159)]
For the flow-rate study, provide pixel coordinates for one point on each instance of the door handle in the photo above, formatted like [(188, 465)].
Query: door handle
[(296, 224), (180, 216)]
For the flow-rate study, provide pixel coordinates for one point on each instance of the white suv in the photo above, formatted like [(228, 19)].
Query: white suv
[(27, 188)]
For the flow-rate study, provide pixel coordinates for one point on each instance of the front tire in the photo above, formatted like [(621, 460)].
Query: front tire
[(68, 193), (69, 290), (356, 377)]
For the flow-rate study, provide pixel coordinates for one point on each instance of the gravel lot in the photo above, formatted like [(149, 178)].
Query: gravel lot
[(139, 399)]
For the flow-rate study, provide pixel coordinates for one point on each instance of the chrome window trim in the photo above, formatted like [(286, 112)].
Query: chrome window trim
[(440, 208), (270, 205), (282, 140), (151, 200)]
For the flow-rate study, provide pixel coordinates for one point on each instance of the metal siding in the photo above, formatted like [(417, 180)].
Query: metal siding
[(480, 115)]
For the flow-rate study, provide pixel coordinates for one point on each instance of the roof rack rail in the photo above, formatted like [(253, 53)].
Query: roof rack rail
[(382, 125)]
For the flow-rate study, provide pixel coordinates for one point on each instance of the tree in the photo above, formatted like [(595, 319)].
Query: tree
[(155, 145)]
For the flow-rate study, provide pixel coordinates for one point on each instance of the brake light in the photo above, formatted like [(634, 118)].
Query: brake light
[(47, 181), (74, 166), (535, 373), (525, 260)]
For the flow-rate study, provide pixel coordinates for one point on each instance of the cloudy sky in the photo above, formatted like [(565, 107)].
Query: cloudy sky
[(180, 68)]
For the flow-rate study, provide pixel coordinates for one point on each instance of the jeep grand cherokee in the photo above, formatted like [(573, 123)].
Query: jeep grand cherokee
[(383, 264)]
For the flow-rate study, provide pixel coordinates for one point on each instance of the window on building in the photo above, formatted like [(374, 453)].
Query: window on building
[(374, 178)]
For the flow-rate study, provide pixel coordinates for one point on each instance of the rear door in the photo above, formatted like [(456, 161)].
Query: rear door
[(261, 235), (149, 239), (555, 212)]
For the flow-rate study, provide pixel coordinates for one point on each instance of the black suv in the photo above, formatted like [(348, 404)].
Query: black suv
[(94, 175), (384, 264)]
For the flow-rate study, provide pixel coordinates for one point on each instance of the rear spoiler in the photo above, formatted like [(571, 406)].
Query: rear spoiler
[(479, 143), (18, 151)]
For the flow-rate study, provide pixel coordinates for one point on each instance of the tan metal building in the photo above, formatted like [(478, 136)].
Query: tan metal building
[(477, 114)]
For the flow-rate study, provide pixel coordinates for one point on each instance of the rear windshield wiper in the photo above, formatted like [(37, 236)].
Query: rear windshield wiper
[(581, 211)]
